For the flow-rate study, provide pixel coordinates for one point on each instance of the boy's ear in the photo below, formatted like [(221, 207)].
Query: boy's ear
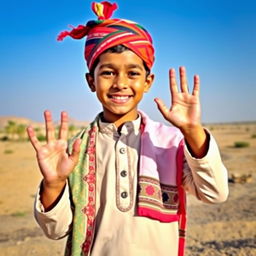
[(90, 81), (148, 82)]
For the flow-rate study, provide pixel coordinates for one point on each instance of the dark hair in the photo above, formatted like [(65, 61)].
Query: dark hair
[(116, 49)]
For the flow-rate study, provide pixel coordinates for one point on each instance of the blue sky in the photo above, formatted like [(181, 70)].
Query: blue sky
[(215, 39)]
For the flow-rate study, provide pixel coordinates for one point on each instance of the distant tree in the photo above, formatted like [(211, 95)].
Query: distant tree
[(57, 129), (11, 129), (21, 131), (37, 129), (71, 129)]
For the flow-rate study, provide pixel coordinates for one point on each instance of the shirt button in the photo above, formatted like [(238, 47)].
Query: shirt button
[(122, 150), (124, 194), (123, 173)]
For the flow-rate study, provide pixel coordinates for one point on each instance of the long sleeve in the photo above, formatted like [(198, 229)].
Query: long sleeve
[(206, 178), (57, 222)]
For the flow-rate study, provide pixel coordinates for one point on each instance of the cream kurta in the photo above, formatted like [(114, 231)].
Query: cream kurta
[(118, 230)]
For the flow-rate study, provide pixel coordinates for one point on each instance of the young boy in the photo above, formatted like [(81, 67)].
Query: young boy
[(117, 188)]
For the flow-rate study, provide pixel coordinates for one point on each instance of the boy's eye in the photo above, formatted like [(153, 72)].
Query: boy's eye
[(134, 73), (107, 73)]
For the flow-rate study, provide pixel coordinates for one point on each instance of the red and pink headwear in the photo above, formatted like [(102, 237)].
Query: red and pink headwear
[(105, 33)]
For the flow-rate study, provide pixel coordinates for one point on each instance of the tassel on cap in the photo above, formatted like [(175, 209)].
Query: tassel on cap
[(77, 33), (103, 10)]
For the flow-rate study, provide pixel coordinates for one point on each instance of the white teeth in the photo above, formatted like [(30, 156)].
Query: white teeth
[(120, 97)]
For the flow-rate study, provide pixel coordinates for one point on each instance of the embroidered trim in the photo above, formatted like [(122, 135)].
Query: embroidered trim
[(182, 197), (90, 178), (153, 194), (182, 233)]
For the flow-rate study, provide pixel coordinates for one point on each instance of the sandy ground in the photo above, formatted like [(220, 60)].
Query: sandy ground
[(213, 230)]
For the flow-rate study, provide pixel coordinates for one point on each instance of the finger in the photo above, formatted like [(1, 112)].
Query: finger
[(196, 89), (63, 133), (75, 151), (162, 107), (183, 80), (49, 126), (33, 139), (173, 84)]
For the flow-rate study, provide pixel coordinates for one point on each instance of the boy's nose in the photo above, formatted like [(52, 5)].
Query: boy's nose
[(120, 82)]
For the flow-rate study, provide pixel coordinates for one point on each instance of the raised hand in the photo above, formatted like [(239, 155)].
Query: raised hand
[(53, 160), (185, 111)]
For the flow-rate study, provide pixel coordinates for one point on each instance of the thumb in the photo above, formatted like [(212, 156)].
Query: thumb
[(75, 151), (162, 107)]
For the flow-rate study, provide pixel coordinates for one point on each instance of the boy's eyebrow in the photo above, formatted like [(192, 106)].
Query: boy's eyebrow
[(135, 66), (110, 65), (106, 66)]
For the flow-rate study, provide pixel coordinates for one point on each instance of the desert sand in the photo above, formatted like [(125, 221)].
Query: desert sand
[(224, 229)]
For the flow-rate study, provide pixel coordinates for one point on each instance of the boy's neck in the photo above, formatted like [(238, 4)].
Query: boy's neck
[(119, 120)]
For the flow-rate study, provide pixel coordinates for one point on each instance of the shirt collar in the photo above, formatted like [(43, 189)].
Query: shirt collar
[(128, 127)]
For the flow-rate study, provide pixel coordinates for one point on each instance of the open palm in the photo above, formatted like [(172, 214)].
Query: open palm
[(53, 160), (185, 111)]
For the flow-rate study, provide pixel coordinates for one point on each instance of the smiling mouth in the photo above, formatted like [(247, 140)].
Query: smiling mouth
[(119, 98)]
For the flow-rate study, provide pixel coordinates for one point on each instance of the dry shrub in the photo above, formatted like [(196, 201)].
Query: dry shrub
[(241, 144)]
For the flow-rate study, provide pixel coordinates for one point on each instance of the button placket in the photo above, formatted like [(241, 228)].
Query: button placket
[(123, 182), (122, 150), (124, 194), (123, 173)]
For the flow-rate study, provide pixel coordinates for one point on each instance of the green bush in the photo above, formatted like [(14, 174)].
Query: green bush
[(254, 136), (8, 151), (241, 144), (41, 137), (19, 214)]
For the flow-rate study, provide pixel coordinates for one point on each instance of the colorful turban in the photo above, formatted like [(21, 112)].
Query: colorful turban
[(105, 33)]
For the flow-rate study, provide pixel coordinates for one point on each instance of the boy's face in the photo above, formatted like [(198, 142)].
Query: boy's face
[(120, 81)]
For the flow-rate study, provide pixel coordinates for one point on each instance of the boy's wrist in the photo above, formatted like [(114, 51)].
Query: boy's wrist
[(197, 140), (193, 131), (51, 193), (53, 185)]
